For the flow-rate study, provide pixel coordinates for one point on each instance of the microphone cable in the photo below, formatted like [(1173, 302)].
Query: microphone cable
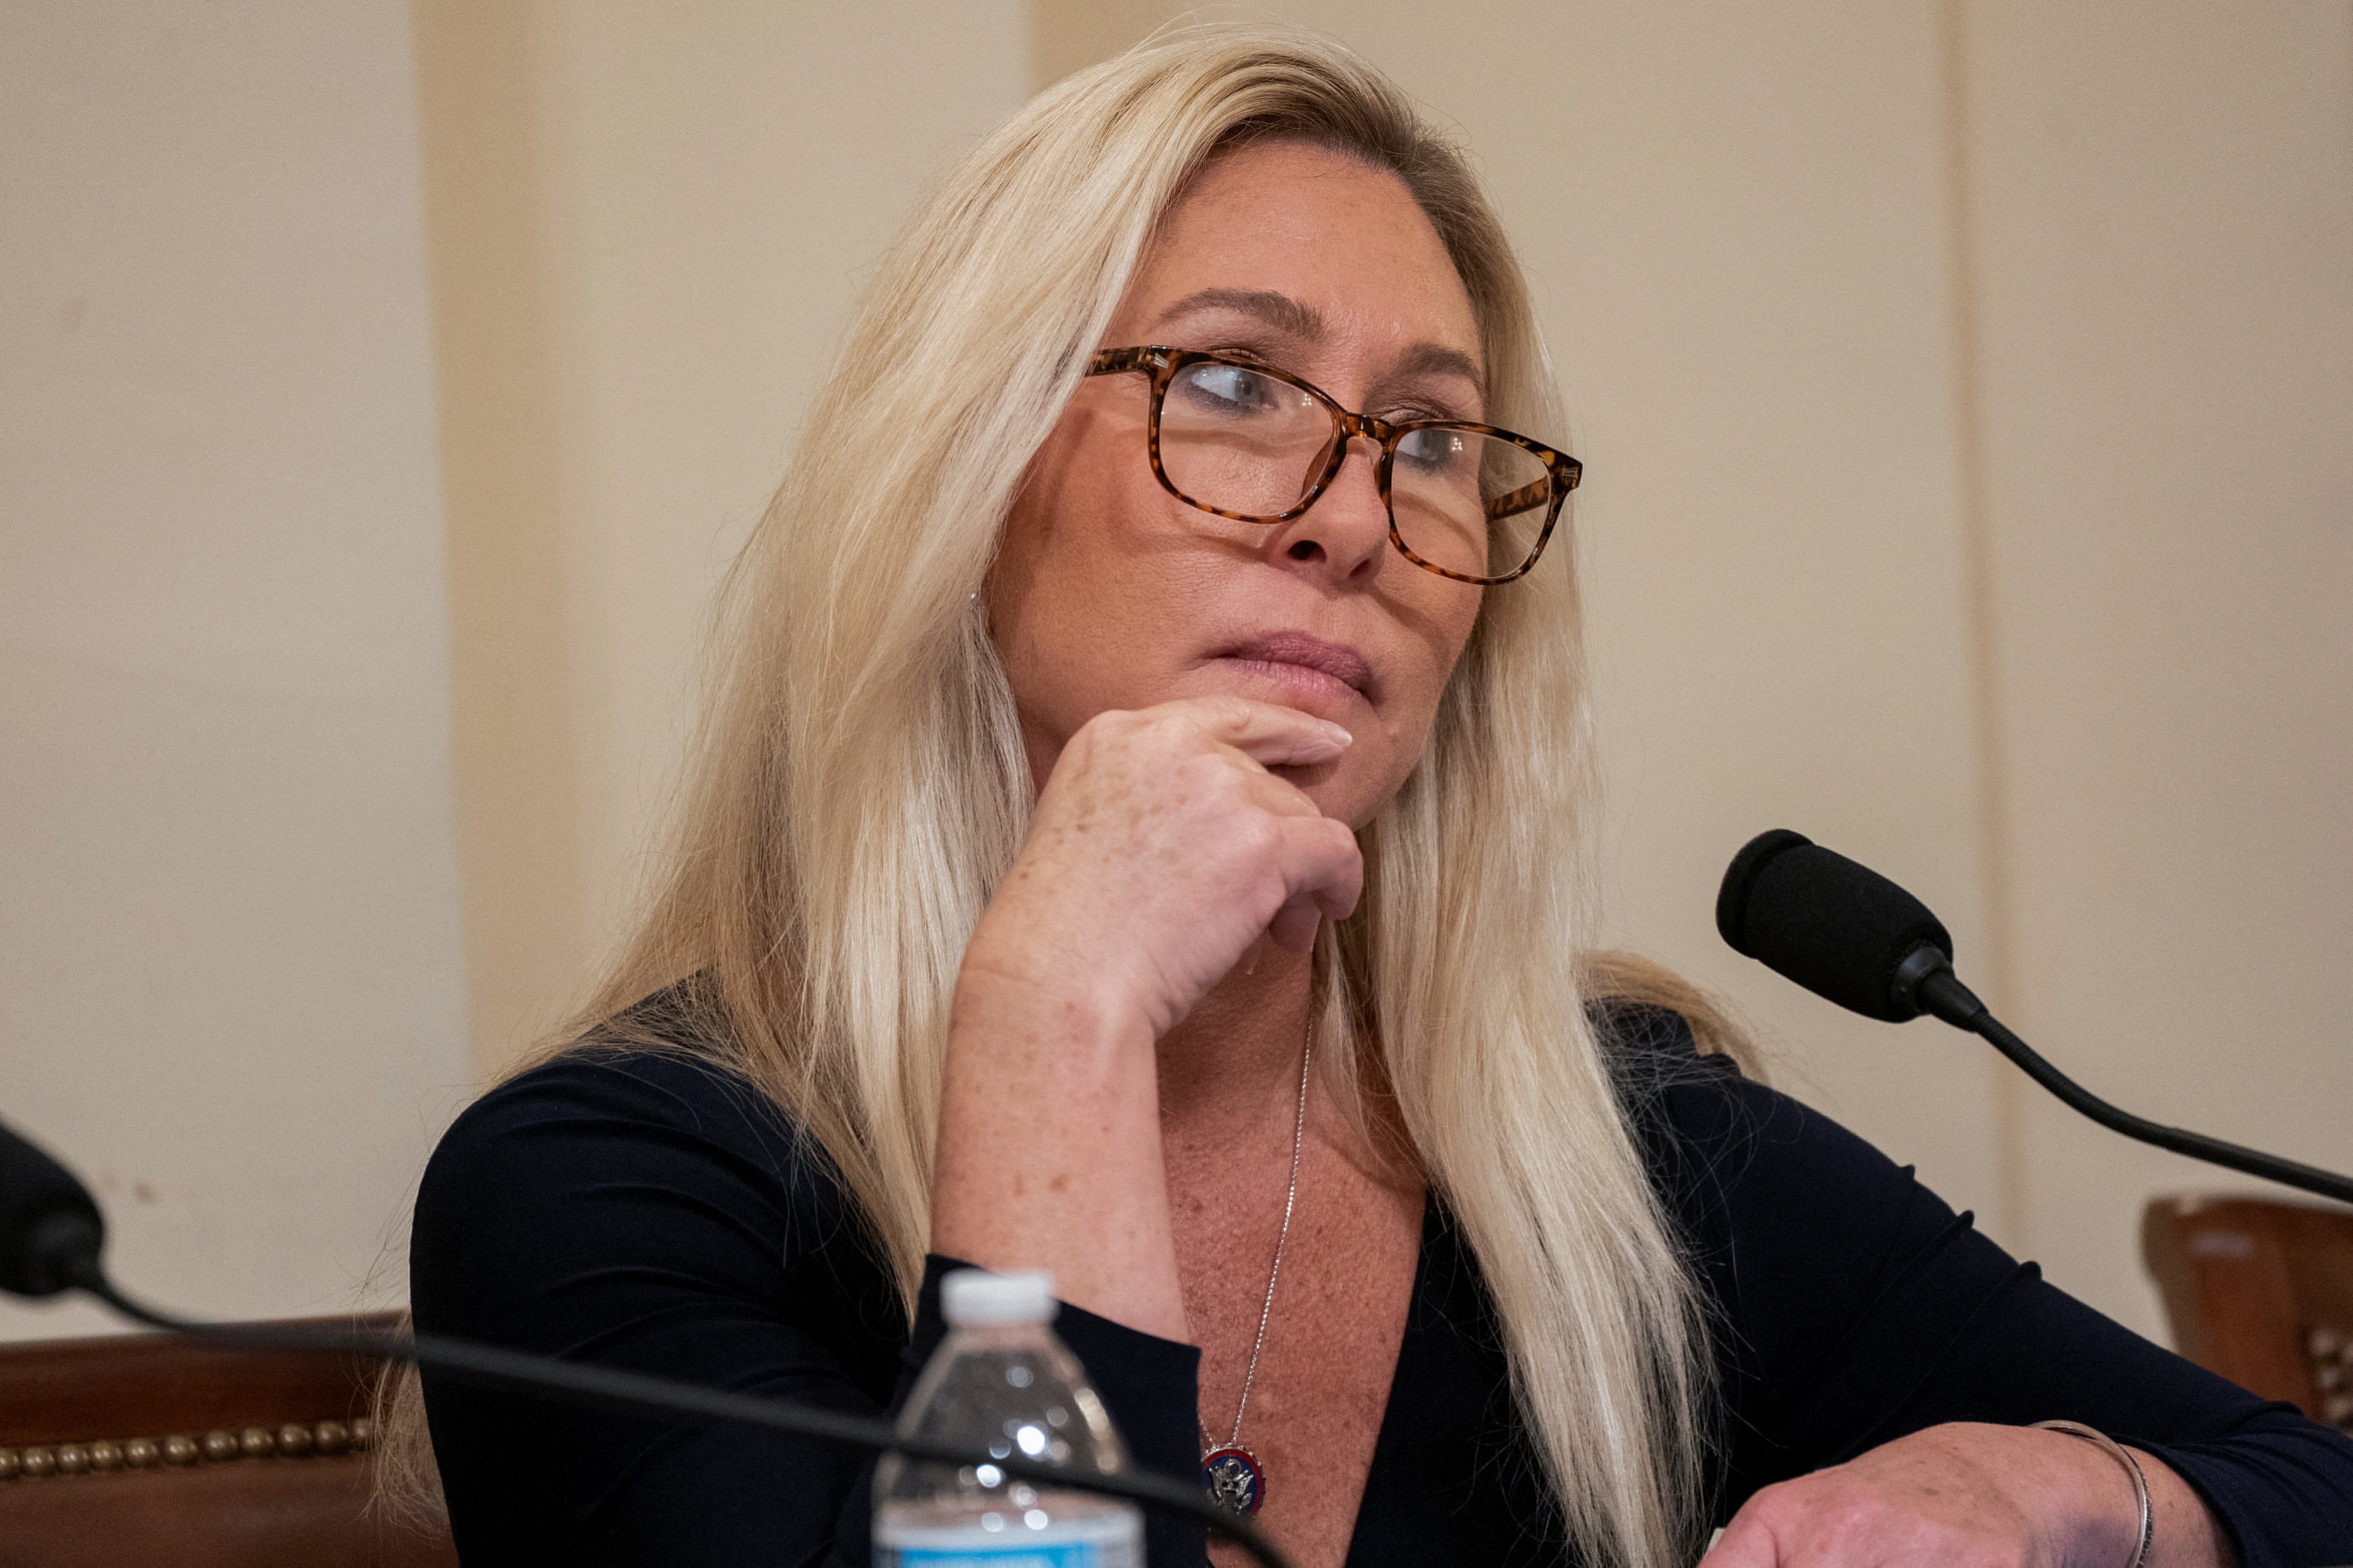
[(52, 1238)]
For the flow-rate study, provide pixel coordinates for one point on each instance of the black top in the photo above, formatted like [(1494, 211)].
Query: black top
[(649, 1211)]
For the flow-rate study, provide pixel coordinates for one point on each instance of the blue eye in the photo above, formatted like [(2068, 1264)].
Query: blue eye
[(1229, 390), (1433, 451)]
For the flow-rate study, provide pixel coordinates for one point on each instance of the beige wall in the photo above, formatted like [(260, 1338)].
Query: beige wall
[(1965, 391), (1964, 398), (2161, 245), (231, 974), (649, 223)]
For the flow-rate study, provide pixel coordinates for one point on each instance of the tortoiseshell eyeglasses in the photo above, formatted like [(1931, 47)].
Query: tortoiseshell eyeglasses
[(1259, 444)]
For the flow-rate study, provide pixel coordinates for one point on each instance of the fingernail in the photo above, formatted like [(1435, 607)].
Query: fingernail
[(1339, 734)]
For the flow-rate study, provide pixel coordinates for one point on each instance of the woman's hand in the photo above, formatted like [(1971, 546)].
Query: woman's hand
[(1162, 850), (1972, 1496)]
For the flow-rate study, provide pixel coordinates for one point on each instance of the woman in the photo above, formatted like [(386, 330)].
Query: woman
[(1139, 837)]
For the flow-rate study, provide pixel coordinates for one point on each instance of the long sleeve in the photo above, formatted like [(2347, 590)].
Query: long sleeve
[(649, 1212), (1856, 1307)]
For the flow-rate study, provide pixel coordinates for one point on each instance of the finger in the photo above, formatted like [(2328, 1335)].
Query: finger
[(1266, 732), (1294, 925), (1323, 866), (1324, 869)]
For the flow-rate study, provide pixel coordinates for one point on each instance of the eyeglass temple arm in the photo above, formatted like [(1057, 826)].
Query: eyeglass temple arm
[(1107, 360), (1535, 493)]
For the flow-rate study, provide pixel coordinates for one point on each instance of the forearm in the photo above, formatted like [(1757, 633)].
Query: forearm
[(1050, 1154), (1162, 848)]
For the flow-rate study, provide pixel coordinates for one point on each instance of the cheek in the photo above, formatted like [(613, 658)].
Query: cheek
[(1435, 628), (1067, 567), (1438, 618)]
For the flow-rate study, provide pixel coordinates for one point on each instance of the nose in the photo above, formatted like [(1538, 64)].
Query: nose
[(1345, 533)]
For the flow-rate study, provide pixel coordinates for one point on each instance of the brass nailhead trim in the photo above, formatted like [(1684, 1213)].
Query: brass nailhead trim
[(294, 1440)]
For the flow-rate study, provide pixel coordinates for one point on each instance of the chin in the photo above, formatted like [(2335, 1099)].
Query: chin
[(1337, 795)]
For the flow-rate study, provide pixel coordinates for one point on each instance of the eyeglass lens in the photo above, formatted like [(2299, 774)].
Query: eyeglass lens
[(1242, 442)]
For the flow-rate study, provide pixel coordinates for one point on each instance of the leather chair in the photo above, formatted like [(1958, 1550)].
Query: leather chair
[(2262, 1293), (152, 1448)]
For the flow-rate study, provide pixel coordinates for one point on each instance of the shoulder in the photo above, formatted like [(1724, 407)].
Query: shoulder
[(614, 1181), (1793, 1222), (579, 1134), (674, 1088), (593, 1090), (1723, 1148), (1649, 1041), (1671, 1091), (658, 1069)]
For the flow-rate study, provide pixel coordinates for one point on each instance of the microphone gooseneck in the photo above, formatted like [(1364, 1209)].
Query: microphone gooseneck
[(52, 1239), (1849, 935)]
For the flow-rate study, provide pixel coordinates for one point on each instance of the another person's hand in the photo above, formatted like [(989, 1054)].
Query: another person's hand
[(1163, 848), (1971, 1496)]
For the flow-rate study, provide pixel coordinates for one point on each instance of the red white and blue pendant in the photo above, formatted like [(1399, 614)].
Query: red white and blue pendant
[(1234, 1478)]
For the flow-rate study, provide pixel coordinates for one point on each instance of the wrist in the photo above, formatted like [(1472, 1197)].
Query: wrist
[(2119, 1509), (1070, 1022), (1036, 989), (1049, 1150)]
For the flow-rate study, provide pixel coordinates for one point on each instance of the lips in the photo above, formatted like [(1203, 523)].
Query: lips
[(1340, 662)]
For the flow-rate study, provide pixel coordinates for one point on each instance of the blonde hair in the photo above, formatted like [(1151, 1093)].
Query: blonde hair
[(862, 785)]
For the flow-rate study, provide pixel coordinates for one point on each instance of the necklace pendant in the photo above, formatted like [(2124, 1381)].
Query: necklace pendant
[(1234, 1478)]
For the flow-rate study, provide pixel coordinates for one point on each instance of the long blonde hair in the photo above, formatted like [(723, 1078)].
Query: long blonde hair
[(861, 786)]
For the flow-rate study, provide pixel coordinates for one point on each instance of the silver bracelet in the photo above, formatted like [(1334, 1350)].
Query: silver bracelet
[(2117, 1452)]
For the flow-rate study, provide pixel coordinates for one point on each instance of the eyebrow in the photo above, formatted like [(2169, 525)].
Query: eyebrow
[(1275, 309), (1424, 358), (1299, 320)]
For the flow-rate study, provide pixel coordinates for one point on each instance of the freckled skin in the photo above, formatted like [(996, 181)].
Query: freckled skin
[(1124, 1054), (1110, 593), (1124, 1042)]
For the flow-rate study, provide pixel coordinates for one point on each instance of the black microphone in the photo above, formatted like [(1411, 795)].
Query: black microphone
[(1840, 930), (1847, 933), (50, 1231), (52, 1239)]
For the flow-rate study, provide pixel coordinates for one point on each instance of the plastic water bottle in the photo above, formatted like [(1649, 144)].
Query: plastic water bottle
[(1002, 1383)]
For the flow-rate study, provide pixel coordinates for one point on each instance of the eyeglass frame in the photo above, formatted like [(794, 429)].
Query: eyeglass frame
[(1162, 364)]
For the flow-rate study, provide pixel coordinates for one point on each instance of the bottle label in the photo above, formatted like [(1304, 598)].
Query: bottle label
[(1000, 1554), (1113, 1542)]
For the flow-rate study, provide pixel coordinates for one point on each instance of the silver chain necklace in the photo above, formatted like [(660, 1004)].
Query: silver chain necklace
[(1231, 1474)]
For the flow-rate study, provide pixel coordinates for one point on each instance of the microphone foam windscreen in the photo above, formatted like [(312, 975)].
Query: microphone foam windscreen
[(36, 1192), (1837, 927)]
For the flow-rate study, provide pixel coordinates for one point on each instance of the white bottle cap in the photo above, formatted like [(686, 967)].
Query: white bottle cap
[(975, 1296)]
